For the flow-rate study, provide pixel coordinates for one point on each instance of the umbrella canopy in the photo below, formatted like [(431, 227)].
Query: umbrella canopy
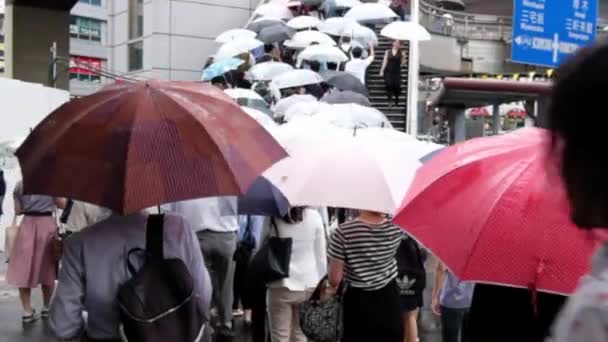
[(360, 33), (273, 10), (406, 30), (343, 4), (322, 53), (502, 200), (346, 81), (303, 39), (261, 23), (302, 109), (264, 199), (237, 93), (135, 145), (296, 78), (221, 67), (268, 70), (275, 34), (346, 97), (283, 105), (262, 118), (234, 34), (237, 47), (371, 12), (384, 171), (479, 112), (304, 22), (327, 74), (452, 5), (335, 25), (517, 113), (353, 116)]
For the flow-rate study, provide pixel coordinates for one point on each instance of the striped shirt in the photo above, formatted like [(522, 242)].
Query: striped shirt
[(368, 252)]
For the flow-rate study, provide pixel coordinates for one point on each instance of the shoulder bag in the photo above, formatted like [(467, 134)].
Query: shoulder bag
[(271, 262)]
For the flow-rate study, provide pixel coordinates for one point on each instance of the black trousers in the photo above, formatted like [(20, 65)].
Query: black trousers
[(454, 325), (373, 315)]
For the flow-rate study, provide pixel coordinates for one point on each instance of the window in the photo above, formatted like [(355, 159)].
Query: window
[(136, 56), (85, 28), (136, 19), (91, 2), (85, 69)]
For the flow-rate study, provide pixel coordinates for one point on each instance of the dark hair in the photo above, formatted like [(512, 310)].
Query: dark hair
[(315, 66), (295, 215), (357, 52), (218, 80), (578, 120), (268, 48), (332, 66)]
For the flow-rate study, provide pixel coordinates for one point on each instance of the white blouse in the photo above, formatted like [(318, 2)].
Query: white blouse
[(308, 264)]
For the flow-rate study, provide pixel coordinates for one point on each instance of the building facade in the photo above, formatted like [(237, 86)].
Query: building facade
[(169, 39), (1, 37), (88, 46)]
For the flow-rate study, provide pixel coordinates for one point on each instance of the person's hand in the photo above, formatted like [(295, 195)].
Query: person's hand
[(381, 74), (435, 307)]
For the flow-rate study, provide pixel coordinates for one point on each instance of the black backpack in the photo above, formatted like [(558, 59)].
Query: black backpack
[(411, 276), (159, 304)]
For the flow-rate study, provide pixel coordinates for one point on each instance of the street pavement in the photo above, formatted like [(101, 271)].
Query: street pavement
[(11, 329)]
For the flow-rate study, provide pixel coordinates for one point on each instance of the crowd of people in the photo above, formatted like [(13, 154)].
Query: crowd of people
[(377, 268)]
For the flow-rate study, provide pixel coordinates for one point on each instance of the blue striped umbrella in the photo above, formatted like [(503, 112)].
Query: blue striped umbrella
[(220, 67)]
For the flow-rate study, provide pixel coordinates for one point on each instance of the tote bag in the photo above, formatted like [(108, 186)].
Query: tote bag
[(271, 262)]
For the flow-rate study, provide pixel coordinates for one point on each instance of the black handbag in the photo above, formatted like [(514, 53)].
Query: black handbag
[(321, 321), (245, 247), (271, 262)]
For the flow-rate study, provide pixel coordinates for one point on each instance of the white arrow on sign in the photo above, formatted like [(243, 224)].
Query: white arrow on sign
[(555, 47)]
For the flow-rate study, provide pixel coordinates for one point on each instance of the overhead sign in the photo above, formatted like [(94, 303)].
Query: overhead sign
[(546, 32)]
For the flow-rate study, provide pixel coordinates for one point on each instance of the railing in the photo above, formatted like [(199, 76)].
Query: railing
[(464, 25)]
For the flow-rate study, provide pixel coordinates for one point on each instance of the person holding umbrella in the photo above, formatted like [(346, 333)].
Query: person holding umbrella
[(391, 71)]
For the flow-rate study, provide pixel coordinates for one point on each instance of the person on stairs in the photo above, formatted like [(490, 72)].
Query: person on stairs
[(391, 71)]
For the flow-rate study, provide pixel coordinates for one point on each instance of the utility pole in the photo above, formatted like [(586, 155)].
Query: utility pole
[(413, 71)]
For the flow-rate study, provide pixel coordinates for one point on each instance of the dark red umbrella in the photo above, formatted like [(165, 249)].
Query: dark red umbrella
[(478, 112), (494, 210), (517, 113), (136, 145)]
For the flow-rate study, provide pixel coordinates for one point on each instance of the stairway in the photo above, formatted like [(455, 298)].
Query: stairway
[(375, 84)]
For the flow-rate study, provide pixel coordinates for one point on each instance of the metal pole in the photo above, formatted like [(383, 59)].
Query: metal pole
[(413, 71), (495, 118), (54, 65)]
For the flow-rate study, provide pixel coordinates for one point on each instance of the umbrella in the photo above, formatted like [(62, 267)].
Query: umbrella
[(371, 12), (303, 39), (384, 171), (237, 93), (283, 105), (343, 4), (273, 10), (353, 116), (502, 200), (302, 109), (296, 78), (479, 112), (268, 70), (220, 67), (406, 30), (304, 22), (346, 81), (452, 5), (139, 144), (517, 113), (345, 97), (234, 34), (327, 74), (262, 118), (264, 199), (360, 33), (322, 53), (275, 34), (237, 47), (261, 23), (335, 25)]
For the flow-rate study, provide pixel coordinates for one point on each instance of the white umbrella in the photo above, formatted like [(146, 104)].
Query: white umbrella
[(296, 78), (335, 25), (369, 12), (353, 116), (406, 30), (274, 10), (347, 3), (323, 173), (304, 22), (303, 39), (283, 105), (322, 53), (263, 22), (302, 109), (268, 70), (263, 119), (241, 93), (237, 47), (361, 33), (234, 34)]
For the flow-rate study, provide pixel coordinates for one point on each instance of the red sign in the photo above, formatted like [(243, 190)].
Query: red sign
[(85, 65)]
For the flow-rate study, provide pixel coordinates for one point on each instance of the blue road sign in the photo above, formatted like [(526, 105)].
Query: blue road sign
[(546, 32)]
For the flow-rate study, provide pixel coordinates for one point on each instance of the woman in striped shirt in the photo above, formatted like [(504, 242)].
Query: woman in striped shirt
[(362, 254)]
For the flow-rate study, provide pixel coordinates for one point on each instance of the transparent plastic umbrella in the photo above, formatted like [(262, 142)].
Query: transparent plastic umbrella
[(283, 105), (405, 30), (237, 93), (303, 39), (371, 12), (304, 22), (353, 116), (360, 33), (237, 47), (220, 67), (234, 34), (296, 78), (268, 70), (274, 10), (322, 53), (335, 25), (261, 23)]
